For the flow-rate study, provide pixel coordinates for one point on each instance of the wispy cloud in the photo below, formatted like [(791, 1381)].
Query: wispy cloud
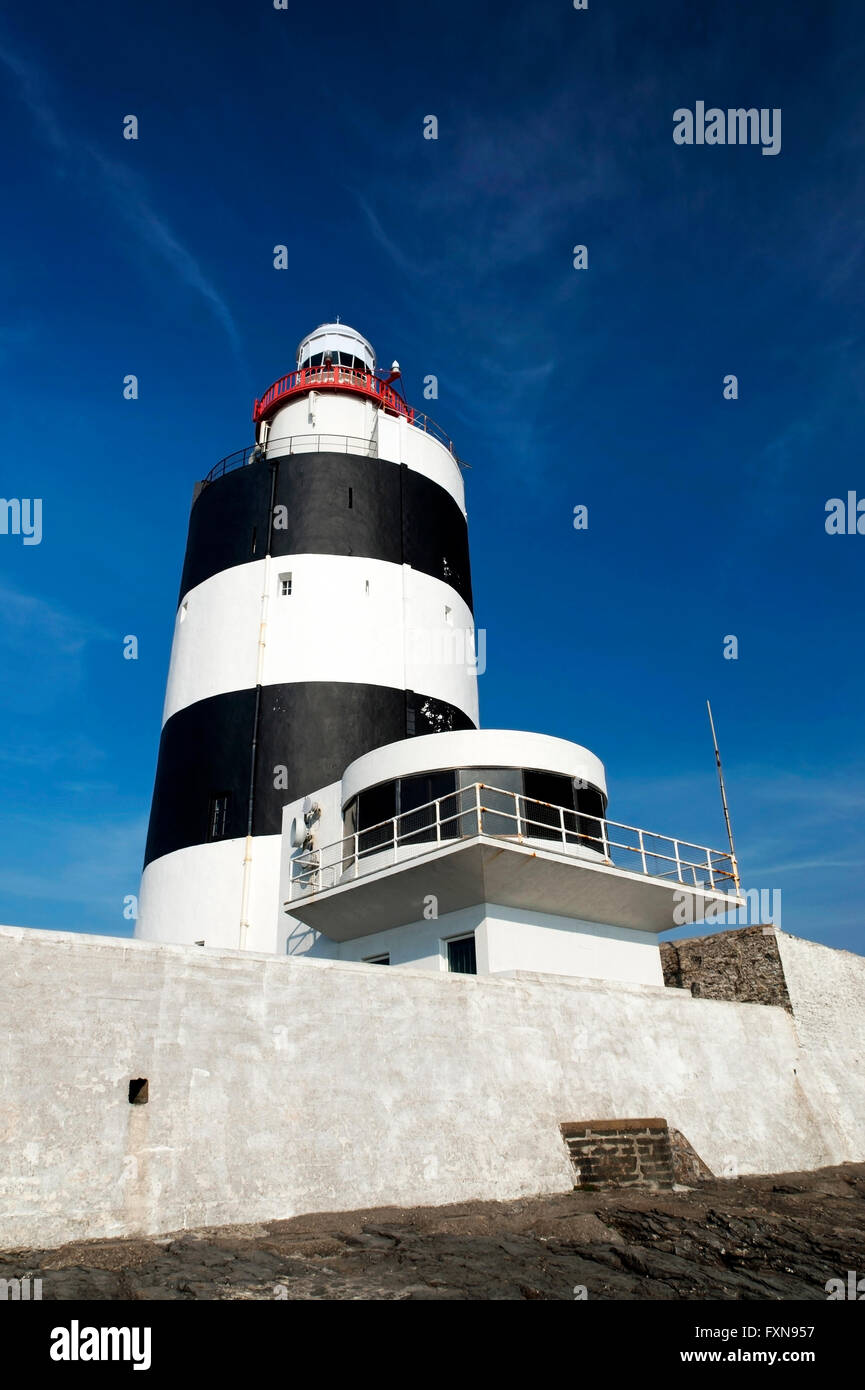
[(37, 634), (413, 269), (795, 865), (124, 190), (92, 864)]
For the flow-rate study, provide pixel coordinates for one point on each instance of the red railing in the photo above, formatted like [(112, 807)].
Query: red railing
[(332, 379)]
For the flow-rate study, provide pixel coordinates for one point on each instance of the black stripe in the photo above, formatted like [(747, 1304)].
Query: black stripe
[(314, 729), (396, 514)]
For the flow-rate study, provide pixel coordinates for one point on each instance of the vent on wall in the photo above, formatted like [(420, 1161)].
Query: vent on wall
[(139, 1091)]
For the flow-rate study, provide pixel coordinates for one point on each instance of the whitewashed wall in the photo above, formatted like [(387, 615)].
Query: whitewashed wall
[(280, 1086)]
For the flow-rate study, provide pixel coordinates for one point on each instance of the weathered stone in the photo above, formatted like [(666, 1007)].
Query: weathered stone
[(743, 965)]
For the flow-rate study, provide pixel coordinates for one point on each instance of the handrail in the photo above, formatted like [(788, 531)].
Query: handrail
[(333, 378), (352, 379), (573, 830), (295, 444), (299, 444)]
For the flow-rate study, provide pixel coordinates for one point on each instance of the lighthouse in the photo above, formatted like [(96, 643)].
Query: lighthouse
[(326, 570), (323, 788)]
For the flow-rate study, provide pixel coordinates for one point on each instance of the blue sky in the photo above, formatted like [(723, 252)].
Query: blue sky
[(304, 127)]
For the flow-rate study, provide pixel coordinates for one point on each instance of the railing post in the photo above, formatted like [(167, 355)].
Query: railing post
[(356, 852), (709, 868), (394, 838), (478, 806), (678, 862), (605, 841), (643, 851), (562, 826), (517, 799), (438, 807)]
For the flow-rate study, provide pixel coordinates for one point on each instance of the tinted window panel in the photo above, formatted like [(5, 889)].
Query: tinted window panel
[(545, 821), (590, 803), (417, 826), (377, 804)]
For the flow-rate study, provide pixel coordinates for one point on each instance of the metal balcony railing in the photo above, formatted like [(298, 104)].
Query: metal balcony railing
[(295, 444), (333, 378), (480, 809), (359, 383)]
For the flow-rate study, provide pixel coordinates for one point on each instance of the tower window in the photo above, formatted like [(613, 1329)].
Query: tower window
[(351, 497), (139, 1091), (217, 816), (285, 585), (462, 959), (545, 794)]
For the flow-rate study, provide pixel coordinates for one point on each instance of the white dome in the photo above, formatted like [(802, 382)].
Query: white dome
[(343, 344)]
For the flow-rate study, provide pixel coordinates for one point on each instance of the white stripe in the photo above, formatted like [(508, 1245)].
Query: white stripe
[(347, 619)]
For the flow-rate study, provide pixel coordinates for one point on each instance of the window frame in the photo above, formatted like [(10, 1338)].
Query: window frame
[(449, 941)]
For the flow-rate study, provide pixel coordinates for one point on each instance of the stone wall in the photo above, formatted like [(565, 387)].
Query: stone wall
[(620, 1153), (743, 965)]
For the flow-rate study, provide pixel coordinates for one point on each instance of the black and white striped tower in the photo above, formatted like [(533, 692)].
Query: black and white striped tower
[(325, 590)]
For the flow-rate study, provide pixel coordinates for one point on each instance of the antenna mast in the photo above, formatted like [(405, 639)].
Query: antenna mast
[(733, 859)]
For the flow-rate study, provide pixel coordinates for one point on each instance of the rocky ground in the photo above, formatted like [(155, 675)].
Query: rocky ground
[(777, 1237)]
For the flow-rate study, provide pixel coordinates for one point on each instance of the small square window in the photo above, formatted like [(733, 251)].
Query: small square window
[(462, 959), (285, 585)]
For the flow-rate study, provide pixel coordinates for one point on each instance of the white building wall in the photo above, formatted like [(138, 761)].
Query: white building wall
[(420, 944), (518, 940), (346, 619), (281, 1086), (321, 413), (827, 994), (294, 938), (202, 662), (507, 939), (195, 894)]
